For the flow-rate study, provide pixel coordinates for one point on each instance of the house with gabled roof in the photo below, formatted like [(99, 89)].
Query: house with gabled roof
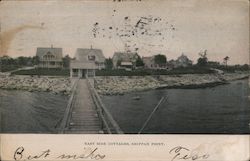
[(183, 61), (49, 57), (149, 62), (86, 62), (122, 59)]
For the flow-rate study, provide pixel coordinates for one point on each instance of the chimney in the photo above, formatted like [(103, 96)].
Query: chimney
[(91, 47), (51, 46)]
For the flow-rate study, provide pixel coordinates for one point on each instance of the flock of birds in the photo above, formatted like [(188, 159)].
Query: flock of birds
[(136, 33)]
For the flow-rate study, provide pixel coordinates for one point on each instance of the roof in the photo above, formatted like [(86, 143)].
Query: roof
[(148, 58), (57, 52), (148, 61), (75, 64), (83, 55), (183, 58), (126, 63), (125, 56)]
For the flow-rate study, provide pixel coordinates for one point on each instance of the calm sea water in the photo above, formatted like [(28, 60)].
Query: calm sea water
[(30, 112), (221, 109)]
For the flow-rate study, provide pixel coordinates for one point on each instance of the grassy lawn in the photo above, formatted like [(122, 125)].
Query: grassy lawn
[(232, 69), (43, 71), (121, 72), (6, 68)]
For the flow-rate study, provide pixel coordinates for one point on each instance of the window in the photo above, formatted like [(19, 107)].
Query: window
[(52, 63), (91, 57), (48, 55)]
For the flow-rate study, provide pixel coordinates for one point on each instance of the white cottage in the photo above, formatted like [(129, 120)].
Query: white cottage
[(86, 62), (49, 57)]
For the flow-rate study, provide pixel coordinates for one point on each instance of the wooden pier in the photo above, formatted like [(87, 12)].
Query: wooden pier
[(85, 113)]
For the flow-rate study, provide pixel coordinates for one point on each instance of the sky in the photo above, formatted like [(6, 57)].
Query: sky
[(169, 27)]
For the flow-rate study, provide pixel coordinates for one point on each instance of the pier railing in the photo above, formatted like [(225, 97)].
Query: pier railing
[(109, 125), (67, 113)]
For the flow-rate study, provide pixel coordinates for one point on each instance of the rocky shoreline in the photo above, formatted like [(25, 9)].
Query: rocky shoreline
[(57, 85), (117, 85)]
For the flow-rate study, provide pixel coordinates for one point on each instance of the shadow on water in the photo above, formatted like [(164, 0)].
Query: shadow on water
[(30, 112), (221, 109)]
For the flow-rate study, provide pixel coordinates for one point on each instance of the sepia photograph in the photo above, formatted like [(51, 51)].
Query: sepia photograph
[(124, 67)]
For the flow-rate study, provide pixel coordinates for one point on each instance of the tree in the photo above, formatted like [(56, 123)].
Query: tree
[(66, 61), (202, 60), (35, 60), (160, 60), (245, 67), (5, 60), (108, 63), (225, 60), (119, 62), (22, 61), (139, 62)]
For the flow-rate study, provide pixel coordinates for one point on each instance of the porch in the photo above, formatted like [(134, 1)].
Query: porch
[(82, 73)]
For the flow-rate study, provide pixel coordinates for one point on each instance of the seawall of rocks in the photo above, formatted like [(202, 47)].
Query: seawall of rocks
[(57, 85), (116, 85)]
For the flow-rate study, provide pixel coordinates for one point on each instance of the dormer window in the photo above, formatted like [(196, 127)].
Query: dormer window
[(49, 55), (91, 57)]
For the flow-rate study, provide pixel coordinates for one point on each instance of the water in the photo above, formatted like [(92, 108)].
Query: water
[(221, 109), (30, 112)]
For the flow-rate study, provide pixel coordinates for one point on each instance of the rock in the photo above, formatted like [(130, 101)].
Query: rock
[(119, 85), (35, 84)]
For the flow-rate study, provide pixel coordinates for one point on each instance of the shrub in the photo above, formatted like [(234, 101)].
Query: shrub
[(44, 71)]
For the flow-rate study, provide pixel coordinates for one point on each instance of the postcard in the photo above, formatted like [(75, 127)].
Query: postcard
[(124, 80)]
